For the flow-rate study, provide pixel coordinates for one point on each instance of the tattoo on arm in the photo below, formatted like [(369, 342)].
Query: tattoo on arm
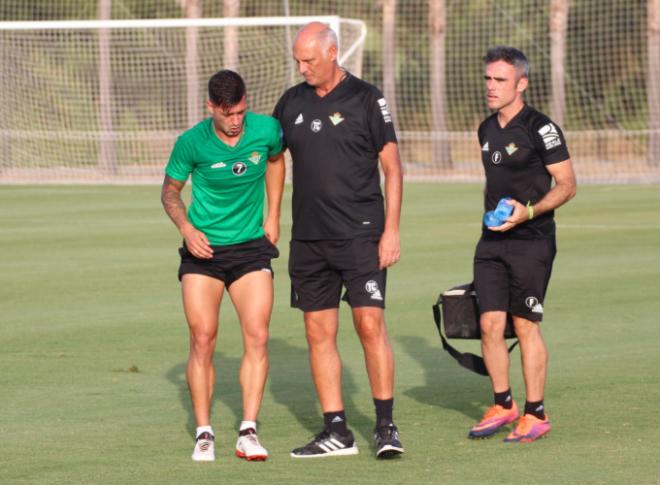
[(170, 197)]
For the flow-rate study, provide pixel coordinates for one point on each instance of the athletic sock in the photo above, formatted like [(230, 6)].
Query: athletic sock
[(384, 412), (535, 408), (335, 422), (204, 429), (245, 425), (504, 399)]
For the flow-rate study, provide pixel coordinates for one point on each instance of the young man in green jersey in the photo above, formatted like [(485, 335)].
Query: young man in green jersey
[(227, 245)]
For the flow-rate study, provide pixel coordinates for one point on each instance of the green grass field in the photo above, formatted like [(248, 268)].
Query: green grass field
[(94, 344)]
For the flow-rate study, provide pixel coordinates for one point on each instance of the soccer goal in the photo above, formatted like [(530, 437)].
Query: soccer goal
[(103, 101)]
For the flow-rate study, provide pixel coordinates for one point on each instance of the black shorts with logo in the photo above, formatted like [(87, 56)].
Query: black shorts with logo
[(512, 275), (230, 262), (319, 269)]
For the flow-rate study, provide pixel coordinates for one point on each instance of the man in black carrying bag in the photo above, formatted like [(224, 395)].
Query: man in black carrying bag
[(523, 151)]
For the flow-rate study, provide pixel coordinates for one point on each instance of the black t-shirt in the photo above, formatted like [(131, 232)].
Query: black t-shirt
[(334, 143), (515, 159)]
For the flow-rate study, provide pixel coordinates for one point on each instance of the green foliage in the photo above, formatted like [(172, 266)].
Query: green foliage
[(605, 61), (611, 37)]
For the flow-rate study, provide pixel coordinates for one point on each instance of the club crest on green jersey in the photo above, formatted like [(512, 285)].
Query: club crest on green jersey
[(255, 158)]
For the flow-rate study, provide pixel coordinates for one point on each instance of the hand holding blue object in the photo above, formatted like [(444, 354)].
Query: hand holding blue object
[(498, 216)]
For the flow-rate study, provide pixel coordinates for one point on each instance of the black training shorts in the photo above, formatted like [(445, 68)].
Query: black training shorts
[(512, 275), (230, 262), (318, 269)]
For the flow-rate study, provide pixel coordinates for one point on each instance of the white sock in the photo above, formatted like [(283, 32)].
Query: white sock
[(202, 429), (248, 424)]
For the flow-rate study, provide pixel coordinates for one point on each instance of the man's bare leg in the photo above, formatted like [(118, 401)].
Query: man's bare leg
[(201, 302)]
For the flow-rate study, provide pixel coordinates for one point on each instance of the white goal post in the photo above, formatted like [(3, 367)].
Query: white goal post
[(103, 100)]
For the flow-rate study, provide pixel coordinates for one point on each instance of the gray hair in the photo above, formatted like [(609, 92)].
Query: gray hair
[(328, 38), (510, 55)]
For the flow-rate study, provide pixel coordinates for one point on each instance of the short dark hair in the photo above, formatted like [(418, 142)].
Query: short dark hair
[(226, 88), (510, 55)]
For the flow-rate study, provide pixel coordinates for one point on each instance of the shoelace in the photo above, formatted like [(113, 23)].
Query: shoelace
[(523, 425), (494, 411), (252, 438), (388, 432)]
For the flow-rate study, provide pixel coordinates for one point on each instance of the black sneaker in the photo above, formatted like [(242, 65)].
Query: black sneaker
[(387, 442), (327, 444)]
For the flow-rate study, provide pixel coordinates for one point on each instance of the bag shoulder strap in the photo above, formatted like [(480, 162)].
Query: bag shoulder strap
[(470, 361)]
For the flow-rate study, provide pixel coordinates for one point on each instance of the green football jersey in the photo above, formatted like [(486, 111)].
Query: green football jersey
[(227, 182)]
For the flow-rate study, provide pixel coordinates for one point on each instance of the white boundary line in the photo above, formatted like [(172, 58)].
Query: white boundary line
[(615, 227)]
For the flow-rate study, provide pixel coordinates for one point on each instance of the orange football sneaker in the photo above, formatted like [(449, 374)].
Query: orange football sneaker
[(494, 418), (529, 429)]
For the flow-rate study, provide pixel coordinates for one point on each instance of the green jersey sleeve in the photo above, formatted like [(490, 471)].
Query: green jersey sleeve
[(276, 145), (181, 162)]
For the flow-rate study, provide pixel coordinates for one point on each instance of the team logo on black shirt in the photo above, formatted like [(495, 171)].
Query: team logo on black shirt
[(239, 168), (550, 136), (496, 157), (336, 118), (316, 126), (511, 148)]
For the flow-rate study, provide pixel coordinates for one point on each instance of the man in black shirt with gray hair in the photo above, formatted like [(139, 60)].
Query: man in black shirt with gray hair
[(523, 151), (337, 128)]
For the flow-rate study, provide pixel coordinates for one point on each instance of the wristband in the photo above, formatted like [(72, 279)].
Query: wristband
[(530, 210)]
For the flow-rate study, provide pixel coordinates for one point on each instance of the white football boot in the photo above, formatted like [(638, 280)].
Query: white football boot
[(204, 447), (249, 448)]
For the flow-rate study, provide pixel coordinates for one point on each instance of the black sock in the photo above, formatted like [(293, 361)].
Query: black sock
[(384, 411), (335, 422), (535, 408), (504, 399)]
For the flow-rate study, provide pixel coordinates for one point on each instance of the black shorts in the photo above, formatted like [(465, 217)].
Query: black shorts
[(230, 262), (318, 269), (512, 275)]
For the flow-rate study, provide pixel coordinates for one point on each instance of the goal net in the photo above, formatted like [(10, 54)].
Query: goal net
[(103, 101), (595, 70)]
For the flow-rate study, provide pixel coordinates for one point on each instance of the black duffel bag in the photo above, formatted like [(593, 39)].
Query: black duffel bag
[(457, 312)]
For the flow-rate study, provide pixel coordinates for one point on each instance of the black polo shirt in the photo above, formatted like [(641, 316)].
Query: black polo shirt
[(334, 143), (515, 159)]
